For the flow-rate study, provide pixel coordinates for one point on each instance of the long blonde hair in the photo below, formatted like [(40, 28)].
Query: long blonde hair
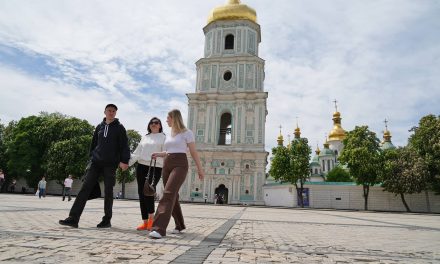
[(177, 125)]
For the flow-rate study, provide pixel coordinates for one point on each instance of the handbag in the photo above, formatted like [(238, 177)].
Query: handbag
[(149, 189)]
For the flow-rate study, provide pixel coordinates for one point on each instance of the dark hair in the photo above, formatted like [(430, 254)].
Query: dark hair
[(111, 105), (149, 123)]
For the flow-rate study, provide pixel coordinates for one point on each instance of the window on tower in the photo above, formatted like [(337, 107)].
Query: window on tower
[(227, 75), (229, 42), (225, 137)]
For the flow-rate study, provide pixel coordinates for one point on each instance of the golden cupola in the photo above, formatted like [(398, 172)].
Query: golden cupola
[(233, 10), (297, 132), (386, 133), (280, 139), (337, 133), (317, 151), (386, 143)]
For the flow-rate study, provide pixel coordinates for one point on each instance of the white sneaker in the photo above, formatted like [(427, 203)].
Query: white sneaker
[(154, 234), (175, 231)]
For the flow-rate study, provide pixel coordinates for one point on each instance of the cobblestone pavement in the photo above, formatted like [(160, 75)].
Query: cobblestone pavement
[(30, 233)]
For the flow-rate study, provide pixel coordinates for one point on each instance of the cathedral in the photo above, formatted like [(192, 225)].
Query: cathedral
[(227, 112), (326, 159)]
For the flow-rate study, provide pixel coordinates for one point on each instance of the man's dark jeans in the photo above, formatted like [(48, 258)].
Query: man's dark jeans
[(67, 192), (90, 179)]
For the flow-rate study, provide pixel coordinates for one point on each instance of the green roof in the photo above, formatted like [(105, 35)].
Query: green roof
[(387, 145)]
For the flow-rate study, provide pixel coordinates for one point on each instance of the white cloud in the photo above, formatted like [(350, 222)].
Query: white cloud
[(379, 59)]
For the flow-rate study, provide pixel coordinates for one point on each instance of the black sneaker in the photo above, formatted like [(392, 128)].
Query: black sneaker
[(104, 224), (69, 221)]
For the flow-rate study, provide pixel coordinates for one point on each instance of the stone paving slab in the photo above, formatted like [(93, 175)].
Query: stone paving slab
[(30, 233)]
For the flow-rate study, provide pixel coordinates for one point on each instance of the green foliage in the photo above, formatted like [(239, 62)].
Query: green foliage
[(68, 152), (426, 142), (2, 147), (133, 139), (25, 150), (362, 155), (280, 164), (129, 175), (299, 160), (31, 140), (338, 174), (292, 164), (69, 156), (405, 172)]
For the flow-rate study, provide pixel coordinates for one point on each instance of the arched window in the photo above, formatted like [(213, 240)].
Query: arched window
[(229, 42), (225, 137)]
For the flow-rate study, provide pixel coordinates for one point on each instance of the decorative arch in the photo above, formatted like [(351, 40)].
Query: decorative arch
[(225, 133), (229, 42), (221, 194)]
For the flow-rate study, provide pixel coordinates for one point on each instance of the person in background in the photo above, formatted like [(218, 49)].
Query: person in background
[(152, 142), (109, 149), (67, 188), (42, 187), (2, 179), (14, 182), (174, 172)]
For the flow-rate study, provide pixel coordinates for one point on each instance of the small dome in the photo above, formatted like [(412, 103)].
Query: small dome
[(387, 145), (326, 152), (233, 10), (315, 161), (337, 133)]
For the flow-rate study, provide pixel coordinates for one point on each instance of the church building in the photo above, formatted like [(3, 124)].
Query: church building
[(227, 112)]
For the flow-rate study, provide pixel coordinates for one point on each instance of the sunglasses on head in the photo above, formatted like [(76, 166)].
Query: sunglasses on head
[(155, 122)]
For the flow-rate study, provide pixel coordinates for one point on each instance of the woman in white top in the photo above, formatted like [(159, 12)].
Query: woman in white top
[(152, 142), (175, 168)]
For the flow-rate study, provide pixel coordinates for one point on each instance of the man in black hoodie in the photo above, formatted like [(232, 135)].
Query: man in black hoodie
[(108, 150)]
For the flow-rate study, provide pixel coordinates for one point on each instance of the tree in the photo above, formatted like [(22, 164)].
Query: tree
[(68, 157), (128, 175), (426, 142), (300, 156), (2, 151), (338, 174), (69, 151), (292, 165), (32, 138), (25, 150), (280, 164), (362, 155), (405, 172), (6, 136)]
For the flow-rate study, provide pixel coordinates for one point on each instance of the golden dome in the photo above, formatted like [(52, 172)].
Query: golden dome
[(317, 151), (337, 133), (387, 136), (233, 10), (280, 139), (297, 132)]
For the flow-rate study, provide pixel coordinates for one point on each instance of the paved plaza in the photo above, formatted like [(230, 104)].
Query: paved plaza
[(30, 233)]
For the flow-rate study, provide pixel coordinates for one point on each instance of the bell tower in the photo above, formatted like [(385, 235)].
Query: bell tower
[(227, 112)]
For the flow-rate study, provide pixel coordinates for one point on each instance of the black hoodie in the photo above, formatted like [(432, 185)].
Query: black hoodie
[(110, 144)]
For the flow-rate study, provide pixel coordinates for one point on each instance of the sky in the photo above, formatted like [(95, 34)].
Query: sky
[(380, 59)]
